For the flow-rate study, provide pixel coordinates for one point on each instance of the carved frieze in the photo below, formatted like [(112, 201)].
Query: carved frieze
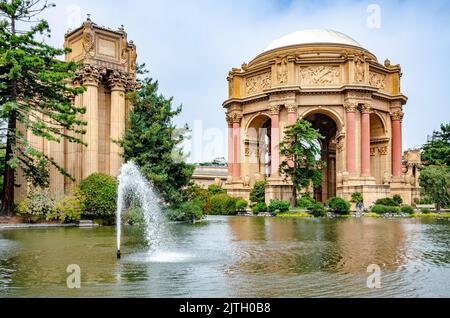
[(377, 80), (320, 75), (256, 84)]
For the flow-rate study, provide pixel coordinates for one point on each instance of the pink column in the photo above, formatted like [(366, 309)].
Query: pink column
[(275, 140), (230, 149), (397, 143), (236, 149), (292, 119), (365, 141), (351, 146)]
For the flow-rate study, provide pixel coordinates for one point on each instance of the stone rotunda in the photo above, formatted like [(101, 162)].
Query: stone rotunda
[(329, 79)]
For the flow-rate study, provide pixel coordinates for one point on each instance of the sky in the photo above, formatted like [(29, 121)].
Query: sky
[(190, 45)]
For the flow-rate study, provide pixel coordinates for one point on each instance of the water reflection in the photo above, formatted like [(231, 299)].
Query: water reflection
[(234, 257)]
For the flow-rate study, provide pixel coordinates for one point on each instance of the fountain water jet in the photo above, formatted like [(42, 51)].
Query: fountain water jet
[(133, 185)]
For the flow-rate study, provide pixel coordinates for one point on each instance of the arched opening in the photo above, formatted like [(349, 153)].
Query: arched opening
[(379, 148), (327, 128), (258, 147)]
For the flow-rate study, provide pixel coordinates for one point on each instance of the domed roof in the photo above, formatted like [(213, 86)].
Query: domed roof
[(312, 36)]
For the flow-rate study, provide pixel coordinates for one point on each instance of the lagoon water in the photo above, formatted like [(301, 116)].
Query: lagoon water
[(234, 257)]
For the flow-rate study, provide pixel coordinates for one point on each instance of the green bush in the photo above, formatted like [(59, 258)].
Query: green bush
[(397, 198), (317, 209), (259, 208), (425, 211), (199, 196), (278, 206), (407, 209), (223, 204), (382, 209), (36, 206), (339, 205), (387, 202), (258, 193), (357, 197), (67, 210), (134, 216), (186, 212), (214, 189), (241, 205), (305, 201), (99, 194)]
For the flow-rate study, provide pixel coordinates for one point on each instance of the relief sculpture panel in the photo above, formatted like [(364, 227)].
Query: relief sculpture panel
[(320, 75), (256, 84)]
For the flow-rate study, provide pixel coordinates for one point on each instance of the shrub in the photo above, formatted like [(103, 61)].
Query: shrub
[(305, 201), (425, 211), (223, 204), (407, 209), (277, 205), (241, 205), (258, 193), (339, 205), (186, 212), (36, 206), (199, 196), (317, 209), (214, 189), (99, 193), (134, 216), (67, 210), (382, 209), (397, 198), (387, 202), (357, 197), (259, 207)]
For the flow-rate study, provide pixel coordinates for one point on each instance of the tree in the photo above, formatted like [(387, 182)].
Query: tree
[(435, 183), (152, 142), (35, 95), (300, 149), (437, 150)]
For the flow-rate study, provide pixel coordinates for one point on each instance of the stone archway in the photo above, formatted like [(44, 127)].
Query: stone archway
[(258, 147), (329, 129)]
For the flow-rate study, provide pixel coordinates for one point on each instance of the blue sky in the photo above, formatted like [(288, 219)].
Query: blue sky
[(190, 46)]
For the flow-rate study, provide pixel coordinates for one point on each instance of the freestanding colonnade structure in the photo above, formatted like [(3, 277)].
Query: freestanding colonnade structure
[(329, 79)]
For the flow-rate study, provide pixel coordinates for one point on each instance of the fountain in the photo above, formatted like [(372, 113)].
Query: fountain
[(133, 185)]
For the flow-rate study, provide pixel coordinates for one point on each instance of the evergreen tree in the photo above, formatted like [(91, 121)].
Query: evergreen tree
[(435, 183), (437, 150), (300, 148), (152, 141), (35, 95)]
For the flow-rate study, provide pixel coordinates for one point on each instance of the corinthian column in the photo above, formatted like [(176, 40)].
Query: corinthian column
[(365, 140), (230, 147), (236, 119), (396, 118), (90, 77), (350, 108), (117, 83), (292, 113), (275, 140)]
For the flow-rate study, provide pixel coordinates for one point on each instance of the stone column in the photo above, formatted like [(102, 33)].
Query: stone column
[(237, 146), (292, 113), (350, 108), (230, 148), (365, 140), (90, 78), (275, 140), (396, 118), (117, 126)]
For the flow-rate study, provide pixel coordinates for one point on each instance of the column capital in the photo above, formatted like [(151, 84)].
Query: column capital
[(291, 108), (366, 108), (274, 109), (397, 115), (117, 80), (89, 75), (350, 106), (234, 117)]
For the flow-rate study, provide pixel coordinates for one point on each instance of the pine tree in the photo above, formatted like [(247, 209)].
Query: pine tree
[(152, 141), (35, 94), (437, 150), (300, 149)]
